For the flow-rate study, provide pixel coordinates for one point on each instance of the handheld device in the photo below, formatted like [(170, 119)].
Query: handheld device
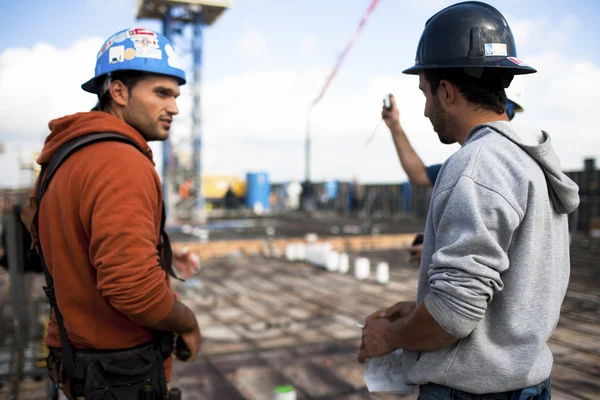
[(182, 351), (387, 102)]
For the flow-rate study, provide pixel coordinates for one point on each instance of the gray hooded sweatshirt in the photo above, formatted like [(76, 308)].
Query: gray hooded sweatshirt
[(495, 263)]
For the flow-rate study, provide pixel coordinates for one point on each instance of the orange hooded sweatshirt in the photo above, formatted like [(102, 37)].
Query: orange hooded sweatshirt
[(99, 224)]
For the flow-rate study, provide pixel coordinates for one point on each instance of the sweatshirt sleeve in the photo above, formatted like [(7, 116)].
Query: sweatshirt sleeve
[(473, 229), (122, 201)]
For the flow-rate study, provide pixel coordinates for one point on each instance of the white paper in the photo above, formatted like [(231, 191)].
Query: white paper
[(384, 374)]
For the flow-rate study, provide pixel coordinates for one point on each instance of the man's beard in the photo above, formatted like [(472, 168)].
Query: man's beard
[(442, 122)]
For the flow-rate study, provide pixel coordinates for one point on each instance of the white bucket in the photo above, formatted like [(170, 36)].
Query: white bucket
[(362, 268), (383, 273), (344, 266), (290, 252), (333, 261), (300, 252), (322, 255)]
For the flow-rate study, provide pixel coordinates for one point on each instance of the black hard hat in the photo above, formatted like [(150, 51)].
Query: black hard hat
[(468, 35)]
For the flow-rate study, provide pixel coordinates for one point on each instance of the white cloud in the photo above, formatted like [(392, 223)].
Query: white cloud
[(256, 120), (252, 45), (43, 83), (542, 34), (562, 98)]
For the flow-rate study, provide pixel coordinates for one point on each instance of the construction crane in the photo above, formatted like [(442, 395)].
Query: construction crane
[(175, 16)]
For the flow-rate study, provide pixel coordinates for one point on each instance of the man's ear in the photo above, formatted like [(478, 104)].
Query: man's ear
[(447, 94), (119, 93)]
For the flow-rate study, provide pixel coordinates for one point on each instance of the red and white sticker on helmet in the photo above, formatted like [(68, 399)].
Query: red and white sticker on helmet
[(517, 61), (140, 32)]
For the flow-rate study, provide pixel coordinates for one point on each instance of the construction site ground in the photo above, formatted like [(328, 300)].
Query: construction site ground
[(268, 322)]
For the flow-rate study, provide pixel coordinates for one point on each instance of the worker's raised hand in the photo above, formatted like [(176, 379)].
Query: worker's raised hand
[(391, 116)]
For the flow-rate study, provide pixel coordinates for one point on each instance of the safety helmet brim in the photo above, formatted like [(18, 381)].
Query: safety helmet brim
[(512, 64), (91, 86)]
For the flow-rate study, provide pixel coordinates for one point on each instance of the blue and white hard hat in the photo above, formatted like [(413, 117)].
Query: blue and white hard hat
[(136, 49)]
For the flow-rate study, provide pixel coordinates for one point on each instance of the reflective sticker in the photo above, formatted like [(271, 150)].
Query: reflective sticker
[(116, 54), (495, 50), (517, 61)]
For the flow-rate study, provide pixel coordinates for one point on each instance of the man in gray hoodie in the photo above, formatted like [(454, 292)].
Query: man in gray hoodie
[(495, 263)]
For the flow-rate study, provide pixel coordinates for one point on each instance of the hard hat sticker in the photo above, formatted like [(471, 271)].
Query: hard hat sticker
[(516, 61), (116, 54), (172, 57), (149, 52), (495, 50), (119, 37), (130, 54), (108, 43), (145, 41), (140, 32)]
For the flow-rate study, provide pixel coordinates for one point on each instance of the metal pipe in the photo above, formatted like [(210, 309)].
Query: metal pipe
[(307, 147), (197, 44), (167, 184)]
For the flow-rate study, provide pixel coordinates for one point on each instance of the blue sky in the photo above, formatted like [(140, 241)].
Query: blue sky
[(277, 54), (386, 45)]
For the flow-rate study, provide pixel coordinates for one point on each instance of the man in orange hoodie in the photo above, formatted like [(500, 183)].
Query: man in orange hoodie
[(99, 220)]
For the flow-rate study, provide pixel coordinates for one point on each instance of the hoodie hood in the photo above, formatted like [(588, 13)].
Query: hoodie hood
[(72, 126), (563, 191)]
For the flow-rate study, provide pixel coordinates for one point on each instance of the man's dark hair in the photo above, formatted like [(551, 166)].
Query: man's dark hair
[(129, 79), (486, 93)]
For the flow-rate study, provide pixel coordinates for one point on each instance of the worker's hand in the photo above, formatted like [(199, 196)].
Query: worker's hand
[(392, 116), (193, 341), (376, 340), (415, 253), (398, 310), (186, 262)]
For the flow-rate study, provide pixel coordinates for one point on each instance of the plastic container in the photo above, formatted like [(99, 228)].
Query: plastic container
[(362, 268), (344, 266), (284, 393), (383, 273), (258, 191), (333, 261)]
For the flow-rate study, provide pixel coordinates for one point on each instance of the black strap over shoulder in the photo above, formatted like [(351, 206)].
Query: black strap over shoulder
[(47, 173), (48, 170)]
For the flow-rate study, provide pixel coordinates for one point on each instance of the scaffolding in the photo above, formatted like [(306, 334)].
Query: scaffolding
[(175, 16)]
